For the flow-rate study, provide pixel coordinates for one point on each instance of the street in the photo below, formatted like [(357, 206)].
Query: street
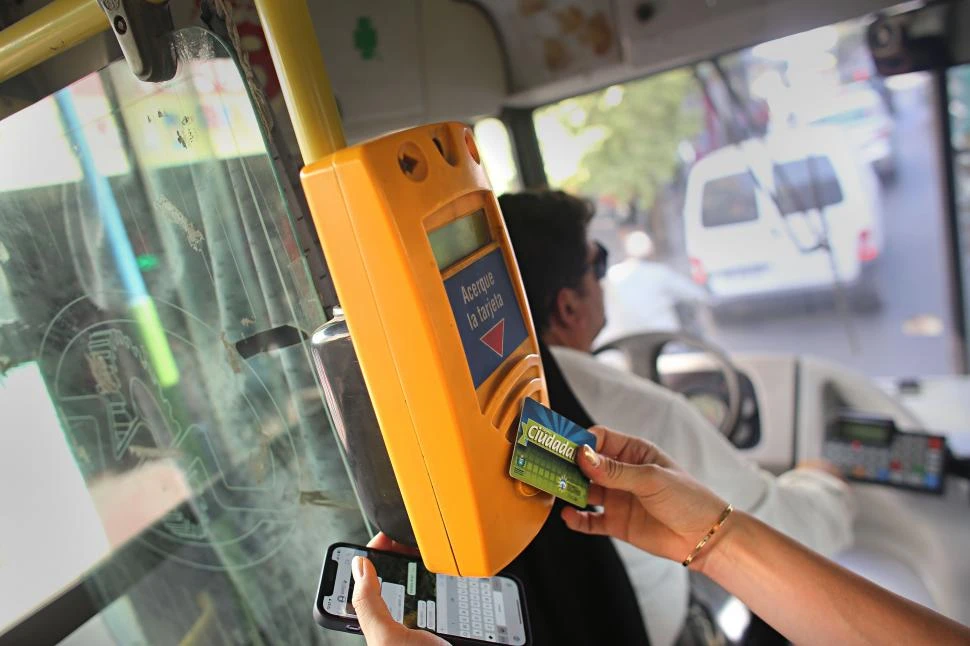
[(904, 337)]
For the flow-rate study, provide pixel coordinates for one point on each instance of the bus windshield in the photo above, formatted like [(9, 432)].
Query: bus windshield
[(797, 190)]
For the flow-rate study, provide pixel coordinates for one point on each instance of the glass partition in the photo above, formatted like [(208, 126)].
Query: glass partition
[(143, 234)]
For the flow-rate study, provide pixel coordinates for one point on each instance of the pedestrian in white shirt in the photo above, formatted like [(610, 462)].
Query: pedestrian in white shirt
[(562, 270), (642, 295)]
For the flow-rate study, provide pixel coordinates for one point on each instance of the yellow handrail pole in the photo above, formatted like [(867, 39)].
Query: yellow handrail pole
[(47, 32), (306, 87)]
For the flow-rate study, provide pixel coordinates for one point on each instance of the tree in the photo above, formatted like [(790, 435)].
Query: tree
[(640, 126)]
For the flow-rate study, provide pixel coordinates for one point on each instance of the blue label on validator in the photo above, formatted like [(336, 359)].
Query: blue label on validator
[(487, 313)]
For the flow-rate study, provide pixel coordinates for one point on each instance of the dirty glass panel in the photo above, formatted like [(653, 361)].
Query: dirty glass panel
[(194, 488)]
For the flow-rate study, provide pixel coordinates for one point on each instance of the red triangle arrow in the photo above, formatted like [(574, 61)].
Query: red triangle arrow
[(495, 338)]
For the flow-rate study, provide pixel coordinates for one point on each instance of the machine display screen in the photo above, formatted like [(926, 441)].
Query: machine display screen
[(459, 239), (867, 433)]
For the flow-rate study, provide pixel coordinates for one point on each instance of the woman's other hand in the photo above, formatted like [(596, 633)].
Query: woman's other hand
[(375, 619), (385, 543)]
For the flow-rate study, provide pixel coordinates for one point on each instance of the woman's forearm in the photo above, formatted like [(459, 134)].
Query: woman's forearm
[(810, 599)]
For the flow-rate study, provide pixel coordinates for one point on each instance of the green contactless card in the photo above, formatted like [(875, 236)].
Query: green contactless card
[(545, 451)]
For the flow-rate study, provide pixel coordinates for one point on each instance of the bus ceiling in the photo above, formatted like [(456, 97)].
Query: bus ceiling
[(400, 63), (562, 49)]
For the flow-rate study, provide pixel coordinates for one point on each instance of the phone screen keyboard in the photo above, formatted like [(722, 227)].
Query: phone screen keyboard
[(475, 608)]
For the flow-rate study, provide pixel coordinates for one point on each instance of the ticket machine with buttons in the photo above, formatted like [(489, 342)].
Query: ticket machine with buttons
[(872, 449)]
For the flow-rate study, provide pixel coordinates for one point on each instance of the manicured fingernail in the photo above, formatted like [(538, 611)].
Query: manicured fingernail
[(357, 568), (591, 455)]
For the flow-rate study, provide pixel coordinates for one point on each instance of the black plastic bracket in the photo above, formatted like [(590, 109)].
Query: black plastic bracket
[(143, 29)]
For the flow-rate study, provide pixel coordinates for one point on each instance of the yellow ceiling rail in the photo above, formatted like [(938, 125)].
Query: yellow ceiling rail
[(47, 32), (306, 87)]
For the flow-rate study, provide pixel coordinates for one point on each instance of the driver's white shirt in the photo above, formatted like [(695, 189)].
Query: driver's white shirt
[(809, 505)]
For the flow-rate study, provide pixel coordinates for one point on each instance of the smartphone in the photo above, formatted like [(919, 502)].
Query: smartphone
[(487, 611)]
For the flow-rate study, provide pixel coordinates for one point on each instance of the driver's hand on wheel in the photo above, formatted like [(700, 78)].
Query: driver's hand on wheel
[(647, 500), (821, 465), (375, 619)]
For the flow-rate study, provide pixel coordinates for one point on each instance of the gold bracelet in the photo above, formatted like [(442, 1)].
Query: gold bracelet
[(720, 521)]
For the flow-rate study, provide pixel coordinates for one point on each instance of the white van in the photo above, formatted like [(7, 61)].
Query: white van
[(744, 243)]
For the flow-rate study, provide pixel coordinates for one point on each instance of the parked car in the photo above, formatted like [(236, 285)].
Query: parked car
[(863, 114), (742, 242)]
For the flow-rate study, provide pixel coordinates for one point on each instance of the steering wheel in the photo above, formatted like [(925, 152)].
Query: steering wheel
[(643, 350)]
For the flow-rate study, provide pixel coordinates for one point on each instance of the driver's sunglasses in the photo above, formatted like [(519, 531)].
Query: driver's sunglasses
[(599, 261)]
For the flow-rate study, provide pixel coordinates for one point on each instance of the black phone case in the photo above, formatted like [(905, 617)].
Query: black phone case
[(350, 625)]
